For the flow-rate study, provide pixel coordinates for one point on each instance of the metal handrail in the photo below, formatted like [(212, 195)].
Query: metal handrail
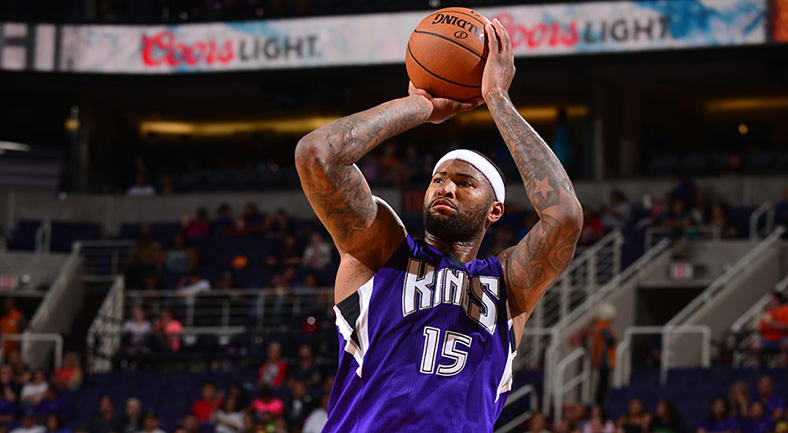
[(728, 275), (651, 231), (624, 364), (597, 296), (758, 307), (106, 324), (581, 379), (765, 208), (527, 390), (26, 337)]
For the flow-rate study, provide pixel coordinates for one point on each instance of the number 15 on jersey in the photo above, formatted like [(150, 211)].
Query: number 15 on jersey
[(432, 337)]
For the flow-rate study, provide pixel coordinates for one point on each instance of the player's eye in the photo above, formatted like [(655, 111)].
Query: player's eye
[(437, 180)]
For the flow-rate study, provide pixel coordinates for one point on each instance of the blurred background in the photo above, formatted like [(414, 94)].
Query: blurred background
[(161, 267)]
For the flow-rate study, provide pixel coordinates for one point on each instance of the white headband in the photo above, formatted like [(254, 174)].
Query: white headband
[(482, 164)]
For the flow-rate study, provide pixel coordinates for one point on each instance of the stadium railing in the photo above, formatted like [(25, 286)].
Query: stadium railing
[(623, 353), (745, 328)]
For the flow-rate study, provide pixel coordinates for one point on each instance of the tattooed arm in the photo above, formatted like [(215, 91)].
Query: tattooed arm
[(364, 229), (540, 257)]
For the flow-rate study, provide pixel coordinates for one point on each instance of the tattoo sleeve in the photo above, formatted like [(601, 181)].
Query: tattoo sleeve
[(534, 263), (334, 186)]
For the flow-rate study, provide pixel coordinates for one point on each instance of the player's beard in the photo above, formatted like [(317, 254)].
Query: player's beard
[(464, 225)]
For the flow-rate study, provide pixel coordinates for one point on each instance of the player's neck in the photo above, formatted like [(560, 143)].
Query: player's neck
[(466, 251)]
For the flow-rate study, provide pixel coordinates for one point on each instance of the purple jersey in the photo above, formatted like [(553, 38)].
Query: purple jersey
[(426, 345)]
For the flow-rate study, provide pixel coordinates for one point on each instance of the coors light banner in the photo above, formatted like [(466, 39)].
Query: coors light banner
[(538, 30)]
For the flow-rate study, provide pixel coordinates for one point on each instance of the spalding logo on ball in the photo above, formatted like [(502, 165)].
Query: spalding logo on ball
[(447, 52)]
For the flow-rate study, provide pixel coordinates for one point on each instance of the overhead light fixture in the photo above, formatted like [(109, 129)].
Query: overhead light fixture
[(10, 145), (219, 128), (746, 104)]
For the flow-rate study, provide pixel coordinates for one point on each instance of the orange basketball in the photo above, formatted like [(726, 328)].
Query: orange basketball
[(446, 53)]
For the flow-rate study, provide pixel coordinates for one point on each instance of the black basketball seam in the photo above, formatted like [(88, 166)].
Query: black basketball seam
[(452, 41), (436, 75), (461, 13)]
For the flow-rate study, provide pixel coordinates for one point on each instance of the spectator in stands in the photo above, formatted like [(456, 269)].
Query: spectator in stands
[(306, 369), (106, 421), (7, 405), (667, 419), (278, 225), (316, 420), (758, 420), (286, 255), (69, 376), (318, 254), (592, 228), (225, 223), (168, 331), (167, 185), (299, 406), (54, 424), (781, 210), (8, 383), (22, 374), (141, 187), (180, 257), (597, 422), (773, 403), (604, 349), (719, 419), (733, 167), (210, 401), (52, 404), (190, 424), (230, 418), (739, 399), (718, 217), (136, 333), (635, 420), (12, 321), (29, 425), (151, 423), (684, 190), (132, 421), (251, 221), (274, 371), (773, 328), (618, 214), (249, 426), (267, 404), (33, 392), (678, 216), (199, 226), (143, 260)]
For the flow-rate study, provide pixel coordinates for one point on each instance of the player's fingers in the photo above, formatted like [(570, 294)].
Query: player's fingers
[(492, 39), (506, 41)]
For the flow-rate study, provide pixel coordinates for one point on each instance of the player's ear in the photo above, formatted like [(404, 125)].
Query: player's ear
[(496, 212)]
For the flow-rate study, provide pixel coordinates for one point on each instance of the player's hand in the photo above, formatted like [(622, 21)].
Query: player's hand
[(444, 109), (499, 69)]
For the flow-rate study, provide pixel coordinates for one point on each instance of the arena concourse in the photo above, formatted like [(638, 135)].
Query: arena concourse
[(161, 269)]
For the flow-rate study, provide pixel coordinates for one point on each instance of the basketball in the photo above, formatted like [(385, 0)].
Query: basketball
[(446, 53)]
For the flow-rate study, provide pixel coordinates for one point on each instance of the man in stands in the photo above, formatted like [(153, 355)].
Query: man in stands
[(106, 421), (12, 322), (773, 328)]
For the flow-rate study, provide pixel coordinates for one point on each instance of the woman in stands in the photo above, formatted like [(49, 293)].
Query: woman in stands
[(636, 420), (739, 399), (667, 419), (70, 375), (719, 420)]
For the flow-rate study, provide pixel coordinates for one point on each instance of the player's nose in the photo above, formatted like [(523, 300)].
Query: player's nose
[(447, 189)]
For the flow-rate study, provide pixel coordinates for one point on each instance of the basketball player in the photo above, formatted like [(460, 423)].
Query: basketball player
[(428, 331)]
